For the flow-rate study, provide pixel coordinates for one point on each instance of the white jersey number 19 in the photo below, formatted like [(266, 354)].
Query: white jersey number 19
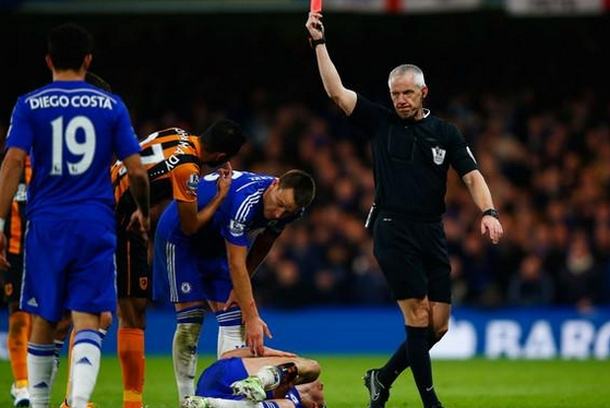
[(86, 149)]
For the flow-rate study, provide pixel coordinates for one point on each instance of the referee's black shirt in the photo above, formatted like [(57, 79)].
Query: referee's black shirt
[(411, 159)]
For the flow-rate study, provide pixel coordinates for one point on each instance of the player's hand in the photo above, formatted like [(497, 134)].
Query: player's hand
[(314, 26), (223, 184), (256, 330), (4, 264), (139, 224), (491, 225), (231, 300)]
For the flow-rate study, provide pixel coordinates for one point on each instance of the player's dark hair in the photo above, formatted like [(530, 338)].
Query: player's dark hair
[(303, 185), (97, 81), (224, 136), (68, 44)]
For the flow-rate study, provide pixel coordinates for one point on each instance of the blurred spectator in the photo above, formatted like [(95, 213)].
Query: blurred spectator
[(531, 287)]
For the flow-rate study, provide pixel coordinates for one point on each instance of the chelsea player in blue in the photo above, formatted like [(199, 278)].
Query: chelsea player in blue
[(218, 261), (72, 131), (242, 380)]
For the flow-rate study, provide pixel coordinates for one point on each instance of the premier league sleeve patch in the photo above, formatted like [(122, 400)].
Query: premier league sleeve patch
[(192, 183), (236, 228)]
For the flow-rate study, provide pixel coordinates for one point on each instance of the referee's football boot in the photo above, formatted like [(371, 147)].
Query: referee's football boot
[(378, 393)]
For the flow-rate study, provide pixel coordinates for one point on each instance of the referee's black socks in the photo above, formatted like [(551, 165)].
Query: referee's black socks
[(400, 360), (418, 350)]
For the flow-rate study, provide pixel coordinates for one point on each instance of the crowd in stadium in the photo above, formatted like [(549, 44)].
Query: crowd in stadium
[(547, 167)]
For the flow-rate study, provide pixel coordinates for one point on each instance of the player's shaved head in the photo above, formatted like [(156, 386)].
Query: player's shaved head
[(303, 185), (68, 45)]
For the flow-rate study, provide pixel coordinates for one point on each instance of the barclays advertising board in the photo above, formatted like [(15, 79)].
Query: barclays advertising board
[(498, 333)]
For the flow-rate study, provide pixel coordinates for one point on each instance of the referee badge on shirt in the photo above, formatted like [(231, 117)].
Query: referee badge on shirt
[(438, 155)]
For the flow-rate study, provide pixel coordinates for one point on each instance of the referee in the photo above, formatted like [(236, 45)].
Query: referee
[(412, 151)]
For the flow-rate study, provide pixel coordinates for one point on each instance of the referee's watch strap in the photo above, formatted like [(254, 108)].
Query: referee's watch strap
[(314, 43), (492, 212)]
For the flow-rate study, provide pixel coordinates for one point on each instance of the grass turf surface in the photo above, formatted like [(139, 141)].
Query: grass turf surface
[(460, 384)]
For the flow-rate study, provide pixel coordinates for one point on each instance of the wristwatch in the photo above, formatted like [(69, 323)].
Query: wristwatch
[(492, 212)]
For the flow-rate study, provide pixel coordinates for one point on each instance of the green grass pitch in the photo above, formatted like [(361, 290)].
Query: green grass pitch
[(460, 384)]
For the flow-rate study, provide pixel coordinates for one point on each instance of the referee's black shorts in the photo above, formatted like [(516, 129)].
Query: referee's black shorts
[(413, 257)]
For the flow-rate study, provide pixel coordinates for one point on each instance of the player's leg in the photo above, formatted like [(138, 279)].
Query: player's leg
[(189, 319), (105, 323), (176, 266), (207, 402), (42, 295), (40, 361), (217, 285), (308, 370), (19, 327), (133, 277), (17, 342), (91, 292), (270, 373), (230, 328)]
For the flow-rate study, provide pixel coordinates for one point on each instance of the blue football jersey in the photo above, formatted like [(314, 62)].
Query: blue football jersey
[(238, 219), (72, 132)]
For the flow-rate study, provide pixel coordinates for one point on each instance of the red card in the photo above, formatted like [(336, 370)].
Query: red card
[(315, 6)]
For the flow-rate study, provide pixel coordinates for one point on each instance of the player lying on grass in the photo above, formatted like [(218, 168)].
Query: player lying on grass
[(209, 266), (241, 380)]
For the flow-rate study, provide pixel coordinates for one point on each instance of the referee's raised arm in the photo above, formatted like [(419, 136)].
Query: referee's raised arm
[(343, 97)]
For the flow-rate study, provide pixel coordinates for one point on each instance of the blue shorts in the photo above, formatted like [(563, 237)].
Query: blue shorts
[(69, 265), (216, 380), (187, 276)]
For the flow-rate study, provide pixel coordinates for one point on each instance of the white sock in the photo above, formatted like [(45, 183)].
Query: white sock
[(85, 366), (224, 403), (184, 356), (270, 377), (58, 346), (40, 368), (230, 331)]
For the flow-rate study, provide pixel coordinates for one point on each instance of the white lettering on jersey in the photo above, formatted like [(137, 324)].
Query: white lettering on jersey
[(75, 101)]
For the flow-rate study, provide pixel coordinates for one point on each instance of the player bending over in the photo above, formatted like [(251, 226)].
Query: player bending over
[(174, 160), (221, 258)]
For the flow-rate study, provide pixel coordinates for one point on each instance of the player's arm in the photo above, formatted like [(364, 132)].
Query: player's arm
[(343, 97), (256, 328), (192, 220), (139, 187), (482, 198), (260, 249), (10, 174)]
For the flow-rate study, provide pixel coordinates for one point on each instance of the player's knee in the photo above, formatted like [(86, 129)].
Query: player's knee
[(309, 370)]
